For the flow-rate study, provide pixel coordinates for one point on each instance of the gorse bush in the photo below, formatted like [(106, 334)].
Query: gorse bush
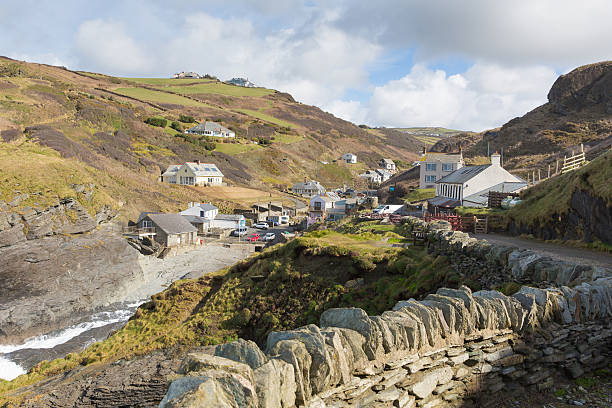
[(159, 122), (176, 126), (186, 119)]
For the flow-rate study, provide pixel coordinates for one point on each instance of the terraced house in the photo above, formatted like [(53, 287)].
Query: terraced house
[(193, 174), (211, 129)]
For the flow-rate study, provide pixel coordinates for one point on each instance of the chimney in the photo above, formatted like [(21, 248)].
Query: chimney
[(496, 159), (424, 151), (197, 162)]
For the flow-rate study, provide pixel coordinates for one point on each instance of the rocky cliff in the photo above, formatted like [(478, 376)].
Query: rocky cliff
[(59, 263)]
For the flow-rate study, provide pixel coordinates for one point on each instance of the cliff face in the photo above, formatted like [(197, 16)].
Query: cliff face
[(58, 264)]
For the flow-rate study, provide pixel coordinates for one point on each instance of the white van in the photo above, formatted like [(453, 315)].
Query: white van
[(388, 209)]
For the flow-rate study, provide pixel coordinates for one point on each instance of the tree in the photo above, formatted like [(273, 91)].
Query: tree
[(159, 122), (186, 119)]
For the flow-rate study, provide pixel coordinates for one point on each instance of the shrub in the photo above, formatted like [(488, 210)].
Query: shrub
[(176, 126), (159, 122), (186, 119)]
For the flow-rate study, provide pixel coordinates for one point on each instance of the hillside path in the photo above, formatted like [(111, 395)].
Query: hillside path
[(565, 253)]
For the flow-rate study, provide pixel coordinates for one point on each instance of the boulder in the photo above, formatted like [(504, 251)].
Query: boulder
[(198, 362), (358, 320), (243, 351), (12, 236), (294, 352), (275, 384)]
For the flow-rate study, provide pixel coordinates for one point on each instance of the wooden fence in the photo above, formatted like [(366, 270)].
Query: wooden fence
[(573, 162)]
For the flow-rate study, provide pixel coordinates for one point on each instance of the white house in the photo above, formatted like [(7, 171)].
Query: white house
[(204, 210), (326, 206), (193, 174), (387, 164), (308, 188), (435, 166), (185, 75), (384, 174), (372, 176), (469, 186), (349, 158), (211, 129), (240, 82)]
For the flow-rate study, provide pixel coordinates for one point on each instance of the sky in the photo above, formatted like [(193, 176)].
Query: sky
[(469, 64)]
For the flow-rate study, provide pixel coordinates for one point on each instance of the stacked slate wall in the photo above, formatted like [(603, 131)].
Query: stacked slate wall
[(439, 351)]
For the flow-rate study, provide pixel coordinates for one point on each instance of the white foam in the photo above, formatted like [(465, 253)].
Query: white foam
[(9, 370)]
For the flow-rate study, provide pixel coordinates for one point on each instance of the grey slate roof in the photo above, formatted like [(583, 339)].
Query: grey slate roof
[(229, 217), (441, 157), (207, 207), (208, 126), (463, 174), (204, 169), (172, 223), (194, 219)]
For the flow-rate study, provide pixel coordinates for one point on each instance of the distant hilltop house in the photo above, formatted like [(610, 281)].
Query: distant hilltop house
[(349, 158), (435, 166), (469, 186), (240, 82), (387, 164), (193, 174), (211, 129), (308, 188), (187, 75)]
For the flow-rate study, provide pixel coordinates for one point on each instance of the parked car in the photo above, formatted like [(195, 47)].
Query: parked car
[(261, 225), (253, 238), (270, 236), (240, 231), (284, 219)]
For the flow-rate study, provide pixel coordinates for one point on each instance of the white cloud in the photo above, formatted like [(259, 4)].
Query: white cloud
[(352, 111), (483, 97), (107, 45)]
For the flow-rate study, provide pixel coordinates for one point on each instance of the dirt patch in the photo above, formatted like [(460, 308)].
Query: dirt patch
[(6, 85), (56, 140)]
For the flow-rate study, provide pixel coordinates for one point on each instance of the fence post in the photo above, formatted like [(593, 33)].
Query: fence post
[(539, 175), (557, 170)]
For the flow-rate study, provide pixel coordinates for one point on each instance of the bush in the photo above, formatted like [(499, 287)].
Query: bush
[(176, 126), (186, 119), (159, 122), (205, 143)]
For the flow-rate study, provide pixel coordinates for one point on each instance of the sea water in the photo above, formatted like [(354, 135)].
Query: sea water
[(10, 370)]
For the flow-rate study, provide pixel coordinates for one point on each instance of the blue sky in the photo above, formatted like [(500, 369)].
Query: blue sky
[(471, 65)]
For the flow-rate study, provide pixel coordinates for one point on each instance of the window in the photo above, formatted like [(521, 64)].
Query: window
[(430, 167), (147, 224), (447, 167), (317, 206), (430, 179)]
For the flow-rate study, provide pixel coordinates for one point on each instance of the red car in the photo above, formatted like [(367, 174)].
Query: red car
[(253, 238)]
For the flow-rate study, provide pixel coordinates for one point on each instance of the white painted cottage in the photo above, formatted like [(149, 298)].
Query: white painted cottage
[(434, 166), (308, 188), (349, 158), (469, 186), (193, 174), (211, 129)]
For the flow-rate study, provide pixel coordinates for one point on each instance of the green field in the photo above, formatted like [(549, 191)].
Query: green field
[(420, 194), (167, 81), (221, 89), (428, 140), (266, 117), (236, 148), (158, 96), (287, 139)]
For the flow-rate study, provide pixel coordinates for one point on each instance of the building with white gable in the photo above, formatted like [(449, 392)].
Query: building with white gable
[(193, 174), (469, 186)]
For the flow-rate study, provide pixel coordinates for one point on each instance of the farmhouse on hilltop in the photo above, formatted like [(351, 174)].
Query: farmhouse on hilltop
[(211, 129), (469, 186), (187, 75), (193, 174), (240, 82)]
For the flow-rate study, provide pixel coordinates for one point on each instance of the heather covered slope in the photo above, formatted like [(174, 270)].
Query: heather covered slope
[(94, 124)]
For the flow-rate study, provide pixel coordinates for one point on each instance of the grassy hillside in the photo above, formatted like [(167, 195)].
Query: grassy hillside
[(285, 286), (551, 209), (90, 127)]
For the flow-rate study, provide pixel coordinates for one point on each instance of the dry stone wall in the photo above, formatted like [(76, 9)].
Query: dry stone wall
[(436, 352)]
